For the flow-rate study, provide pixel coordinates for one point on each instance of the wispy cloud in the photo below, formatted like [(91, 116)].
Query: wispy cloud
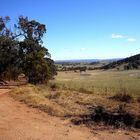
[(131, 39), (117, 36), (83, 49), (120, 36)]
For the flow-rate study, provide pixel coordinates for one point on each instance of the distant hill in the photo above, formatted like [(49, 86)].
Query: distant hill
[(76, 61), (90, 61), (132, 62)]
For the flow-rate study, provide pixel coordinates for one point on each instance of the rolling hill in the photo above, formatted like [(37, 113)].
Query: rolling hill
[(132, 62)]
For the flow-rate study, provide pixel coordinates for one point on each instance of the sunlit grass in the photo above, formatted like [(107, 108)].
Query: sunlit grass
[(72, 94), (101, 82)]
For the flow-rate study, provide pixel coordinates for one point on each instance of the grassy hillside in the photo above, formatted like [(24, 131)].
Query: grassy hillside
[(132, 62)]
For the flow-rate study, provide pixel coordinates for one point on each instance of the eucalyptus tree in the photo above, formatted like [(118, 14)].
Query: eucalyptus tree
[(22, 50)]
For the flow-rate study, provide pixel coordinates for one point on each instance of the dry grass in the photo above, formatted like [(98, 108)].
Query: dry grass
[(72, 94), (34, 97), (101, 82), (55, 102)]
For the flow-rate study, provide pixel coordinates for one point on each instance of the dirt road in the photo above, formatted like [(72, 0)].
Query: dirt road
[(19, 122)]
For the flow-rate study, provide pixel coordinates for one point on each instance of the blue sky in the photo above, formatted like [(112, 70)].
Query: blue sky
[(83, 29)]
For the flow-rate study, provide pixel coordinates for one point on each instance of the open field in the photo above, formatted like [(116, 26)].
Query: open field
[(101, 82), (75, 95)]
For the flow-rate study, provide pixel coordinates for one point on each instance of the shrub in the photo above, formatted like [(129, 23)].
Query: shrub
[(122, 97), (138, 99), (53, 86)]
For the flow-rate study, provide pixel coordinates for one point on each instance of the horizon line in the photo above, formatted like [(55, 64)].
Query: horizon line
[(88, 59)]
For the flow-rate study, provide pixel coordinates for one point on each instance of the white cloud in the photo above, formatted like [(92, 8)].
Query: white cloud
[(117, 36), (83, 49), (131, 39)]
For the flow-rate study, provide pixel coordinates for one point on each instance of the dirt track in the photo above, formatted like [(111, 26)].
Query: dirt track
[(19, 122)]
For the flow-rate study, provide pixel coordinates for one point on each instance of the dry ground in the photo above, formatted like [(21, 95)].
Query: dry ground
[(19, 122)]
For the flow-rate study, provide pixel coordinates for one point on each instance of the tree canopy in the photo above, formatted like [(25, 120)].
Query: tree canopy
[(22, 51)]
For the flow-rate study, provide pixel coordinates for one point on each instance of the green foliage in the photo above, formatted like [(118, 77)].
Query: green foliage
[(22, 51), (129, 63), (9, 56)]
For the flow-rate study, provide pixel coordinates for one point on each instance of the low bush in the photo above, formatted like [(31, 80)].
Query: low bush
[(53, 86), (138, 99), (122, 97)]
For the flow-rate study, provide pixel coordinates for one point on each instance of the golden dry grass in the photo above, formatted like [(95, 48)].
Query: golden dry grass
[(72, 94), (101, 82), (34, 97)]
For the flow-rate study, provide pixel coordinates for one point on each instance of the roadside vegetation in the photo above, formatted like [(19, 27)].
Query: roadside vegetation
[(83, 99), (84, 93)]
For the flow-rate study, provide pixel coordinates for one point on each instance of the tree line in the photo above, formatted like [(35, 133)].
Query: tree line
[(22, 51)]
